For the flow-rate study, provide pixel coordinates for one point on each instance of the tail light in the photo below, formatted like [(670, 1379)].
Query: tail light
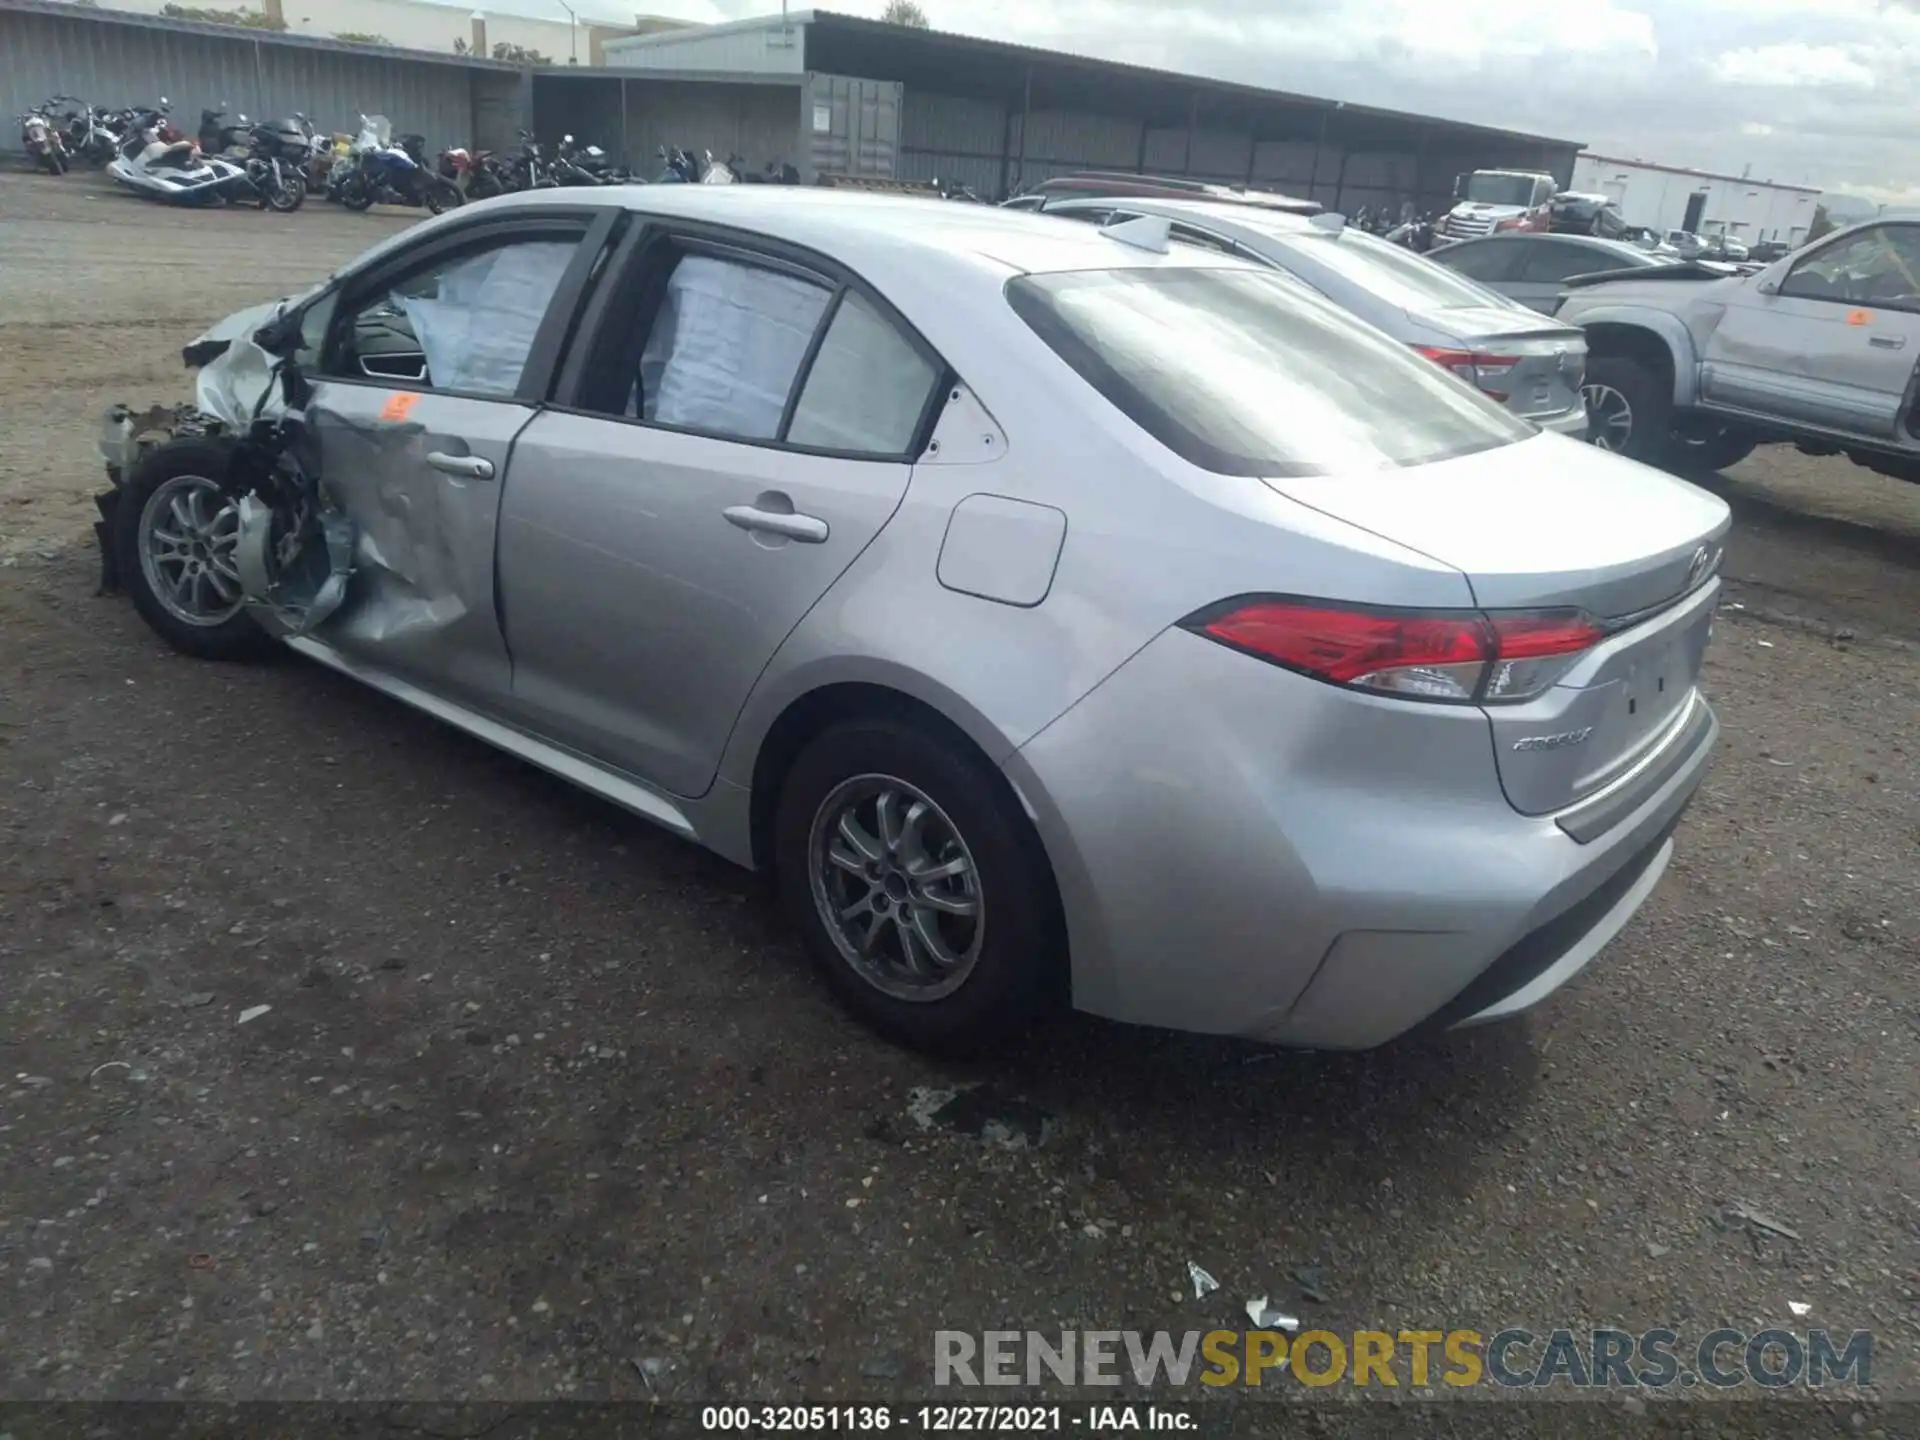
[(1451, 656), (1486, 373)]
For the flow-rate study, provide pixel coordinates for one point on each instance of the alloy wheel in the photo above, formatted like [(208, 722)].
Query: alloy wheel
[(896, 888), (188, 532), (1609, 417)]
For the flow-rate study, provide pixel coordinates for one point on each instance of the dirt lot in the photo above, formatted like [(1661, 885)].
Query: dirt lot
[(547, 1104)]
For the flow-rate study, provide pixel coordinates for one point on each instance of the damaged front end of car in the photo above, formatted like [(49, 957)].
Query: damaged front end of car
[(293, 544)]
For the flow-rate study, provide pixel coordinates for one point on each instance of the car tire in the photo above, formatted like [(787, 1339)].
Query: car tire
[(1010, 951), (186, 472), (1713, 450), (1629, 409)]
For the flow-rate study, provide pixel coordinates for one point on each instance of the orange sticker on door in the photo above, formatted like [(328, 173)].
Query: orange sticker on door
[(1860, 317), (399, 405)]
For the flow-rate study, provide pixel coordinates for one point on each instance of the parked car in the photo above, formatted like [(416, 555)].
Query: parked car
[(1573, 213), (1765, 252), (1697, 367), (1532, 365), (1110, 183), (1685, 244), (1053, 611), (1533, 269), (1725, 247)]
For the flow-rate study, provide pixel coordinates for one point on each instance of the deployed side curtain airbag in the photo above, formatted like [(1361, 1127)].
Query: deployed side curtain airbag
[(726, 346)]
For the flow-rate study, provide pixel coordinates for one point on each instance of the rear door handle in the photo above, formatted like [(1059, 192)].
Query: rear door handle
[(805, 528), (467, 467), (1888, 342)]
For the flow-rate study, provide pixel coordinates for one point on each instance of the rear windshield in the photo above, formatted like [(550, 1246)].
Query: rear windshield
[(1239, 372), (1402, 278)]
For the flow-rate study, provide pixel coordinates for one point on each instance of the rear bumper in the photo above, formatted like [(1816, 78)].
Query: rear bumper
[(1571, 423), (1306, 866)]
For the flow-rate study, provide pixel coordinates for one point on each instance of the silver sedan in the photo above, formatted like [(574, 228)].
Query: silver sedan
[(1057, 613)]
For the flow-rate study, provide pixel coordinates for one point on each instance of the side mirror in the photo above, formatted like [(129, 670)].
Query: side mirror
[(1768, 287)]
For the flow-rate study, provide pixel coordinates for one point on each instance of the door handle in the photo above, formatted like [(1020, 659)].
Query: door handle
[(1888, 342), (467, 467), (805, 528)]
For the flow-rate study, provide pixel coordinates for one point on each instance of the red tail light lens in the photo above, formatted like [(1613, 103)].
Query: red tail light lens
[(1458, 656), (1486, 373)]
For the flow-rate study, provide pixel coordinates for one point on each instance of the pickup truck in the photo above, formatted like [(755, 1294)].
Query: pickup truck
[(1692, 364)]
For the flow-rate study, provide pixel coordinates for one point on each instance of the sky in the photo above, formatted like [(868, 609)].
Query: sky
[(1819, 92)]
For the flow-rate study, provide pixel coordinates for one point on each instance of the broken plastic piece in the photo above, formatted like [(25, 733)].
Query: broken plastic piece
[(1203, 1283), (1740, 1212), (1799, 1307), (252, 1012), (296, 580), (1268, 1317)]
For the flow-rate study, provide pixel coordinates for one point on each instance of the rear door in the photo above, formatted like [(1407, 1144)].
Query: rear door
[(1828, 339), (735, 426), (1549, 263), (430, 365)]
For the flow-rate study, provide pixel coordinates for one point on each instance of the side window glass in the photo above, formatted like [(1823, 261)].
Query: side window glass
[(1480, 262), (868, 387), (1878, 266), (1551, 262), (726, 346), (466, 323), (1187, 235)]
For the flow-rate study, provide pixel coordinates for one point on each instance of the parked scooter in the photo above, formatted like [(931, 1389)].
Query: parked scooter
[(46, 147), (83, 128), (717, 173), (387, 173), (477, 174)]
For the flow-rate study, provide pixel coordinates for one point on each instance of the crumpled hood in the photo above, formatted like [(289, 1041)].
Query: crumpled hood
[(230, 386)]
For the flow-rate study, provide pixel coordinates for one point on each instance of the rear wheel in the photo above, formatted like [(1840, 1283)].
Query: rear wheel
[(175, 534), (1629, 410), (442, 195), (918, 885), (1714, 449)]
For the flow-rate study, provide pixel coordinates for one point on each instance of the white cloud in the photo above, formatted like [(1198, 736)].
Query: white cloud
[(1835, 66)]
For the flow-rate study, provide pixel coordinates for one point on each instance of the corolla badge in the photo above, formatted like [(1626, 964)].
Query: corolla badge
[(1554, 742)]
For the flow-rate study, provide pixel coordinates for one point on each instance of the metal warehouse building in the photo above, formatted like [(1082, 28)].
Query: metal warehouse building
[(832, 92), (829, 93)]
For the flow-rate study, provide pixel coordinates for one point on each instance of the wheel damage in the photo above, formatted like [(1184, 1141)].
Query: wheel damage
[(311, 547)]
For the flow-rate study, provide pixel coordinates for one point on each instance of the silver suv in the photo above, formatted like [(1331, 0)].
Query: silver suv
[(1695, 365)]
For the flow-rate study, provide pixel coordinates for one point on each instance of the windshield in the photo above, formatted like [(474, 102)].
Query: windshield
[(1242, 373), (1392, 273), (1488, 189)]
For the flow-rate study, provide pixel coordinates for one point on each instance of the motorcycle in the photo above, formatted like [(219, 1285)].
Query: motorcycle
[(389, 173), (716, 173), (680, 167), (224, 141), (83, 129), (276, 152), (1417, 234), (587, 165), (527, 168), (171, 170), (43, 142), (477, 174)]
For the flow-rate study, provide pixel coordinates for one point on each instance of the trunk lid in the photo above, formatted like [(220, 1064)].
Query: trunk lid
[(1548, 524), (1549, 358)]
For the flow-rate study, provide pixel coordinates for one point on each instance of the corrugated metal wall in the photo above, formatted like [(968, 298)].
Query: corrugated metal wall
[(118, 63), (760, 48), (759, 122), (861, 130)]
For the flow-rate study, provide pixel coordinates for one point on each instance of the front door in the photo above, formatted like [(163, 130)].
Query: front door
[(417, 402), (1829, 339), (740, 430)]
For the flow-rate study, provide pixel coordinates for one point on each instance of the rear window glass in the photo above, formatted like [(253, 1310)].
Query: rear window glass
[(1399, 276), (1241, 373)]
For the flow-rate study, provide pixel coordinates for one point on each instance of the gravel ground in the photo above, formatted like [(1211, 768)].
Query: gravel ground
[(546, 1104)]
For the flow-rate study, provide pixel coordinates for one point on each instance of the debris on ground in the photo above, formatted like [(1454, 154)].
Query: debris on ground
[(198, 1000), (1203, 1283), (1270, 1317), (1313, 1283), (982, 1112), (1799, 1308), (252, 1012), (1740, 1213)]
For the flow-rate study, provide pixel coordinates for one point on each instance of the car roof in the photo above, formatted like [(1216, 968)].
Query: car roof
[(1253, 217), (854, 227)]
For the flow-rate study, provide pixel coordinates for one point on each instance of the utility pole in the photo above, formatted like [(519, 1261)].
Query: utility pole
[(573, 26)]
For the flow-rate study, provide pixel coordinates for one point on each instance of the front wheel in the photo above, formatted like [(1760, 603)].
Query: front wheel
[(1629, 410), (918, 884), (175, 533), (286, 194), (1716, 449), (442, 195)]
